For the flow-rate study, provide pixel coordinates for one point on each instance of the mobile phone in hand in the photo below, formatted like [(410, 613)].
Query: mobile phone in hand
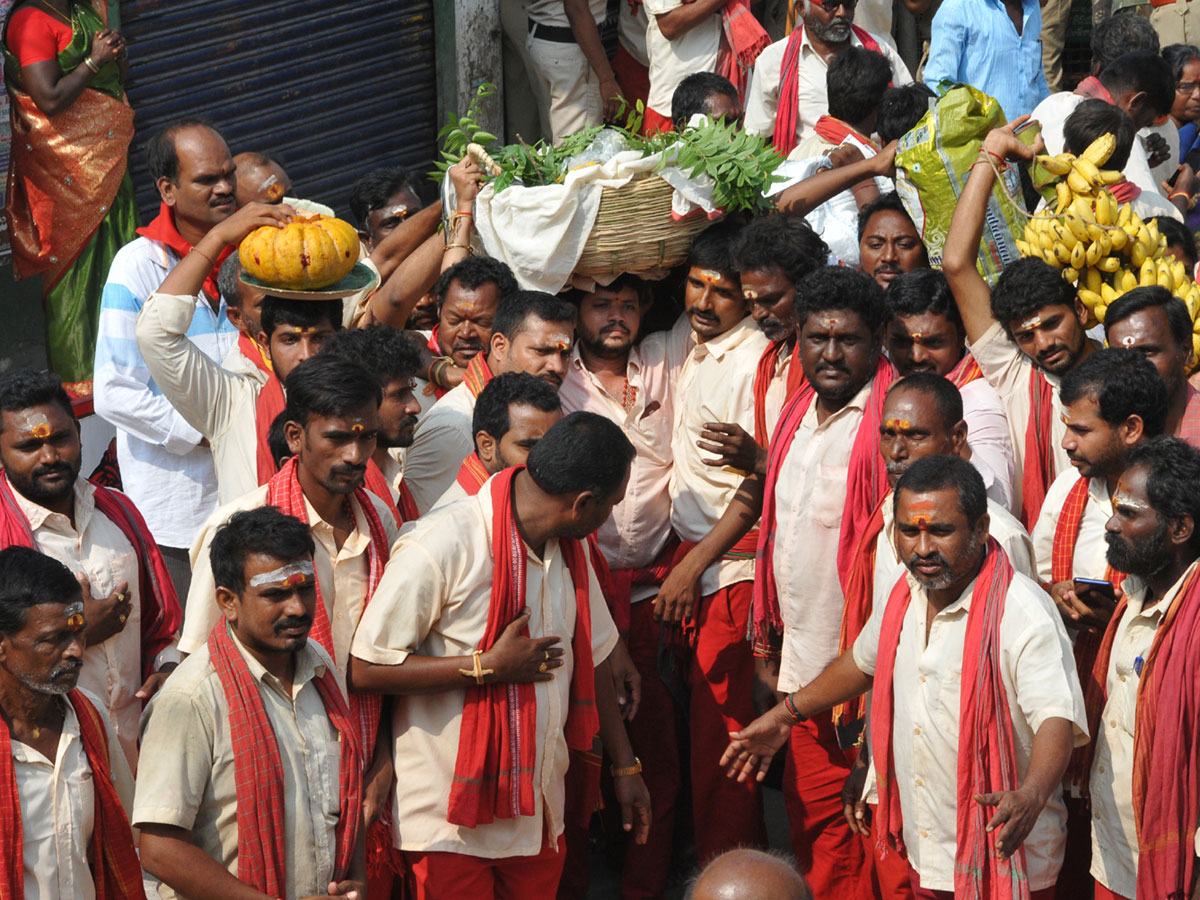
[(1095, 586)]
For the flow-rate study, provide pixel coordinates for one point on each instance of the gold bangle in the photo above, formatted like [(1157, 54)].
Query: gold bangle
[(457, 246), (635, 769), (434, 371), (87, 61), (479, 671)]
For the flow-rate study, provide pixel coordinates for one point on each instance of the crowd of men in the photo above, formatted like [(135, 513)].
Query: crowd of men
[(412, 592)]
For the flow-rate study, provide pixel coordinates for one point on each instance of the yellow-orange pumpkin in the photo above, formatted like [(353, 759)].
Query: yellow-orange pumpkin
[(309, 253)]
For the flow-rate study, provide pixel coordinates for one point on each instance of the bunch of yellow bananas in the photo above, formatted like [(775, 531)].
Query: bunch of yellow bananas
[(1099, 245)]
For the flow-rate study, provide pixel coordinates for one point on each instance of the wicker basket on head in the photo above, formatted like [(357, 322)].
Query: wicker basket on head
[(634, 230)]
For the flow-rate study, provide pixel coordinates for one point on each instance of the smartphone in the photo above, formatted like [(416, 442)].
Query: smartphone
[(1171, 181), (1098, 586)]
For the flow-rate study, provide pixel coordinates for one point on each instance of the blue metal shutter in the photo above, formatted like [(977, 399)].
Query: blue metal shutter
[(334, 89)]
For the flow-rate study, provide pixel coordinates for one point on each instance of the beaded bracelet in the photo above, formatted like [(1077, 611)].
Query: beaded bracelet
[(790, 705)]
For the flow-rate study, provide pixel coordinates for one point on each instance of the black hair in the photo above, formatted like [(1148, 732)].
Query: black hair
[(937, 473), (514, 311), (29, 578), (278, 311), (1123, 383), (1141, 70), (328, 386), (1178, 56), (227, 281), (1179, 320), (473, 273), (692, 93), (385, 351), (889, 202), (23, 388), (162, 159), (581, 452), (1092, 119), (922, 291), (783, 241), (1119, 34), (263, 530), (838, 287), (1177, 233), (713, 249), (503, 391), (1172, 479), (1025, 286), (277, 440), (901, 109), (375, 189), (946, 396), (855, 83)]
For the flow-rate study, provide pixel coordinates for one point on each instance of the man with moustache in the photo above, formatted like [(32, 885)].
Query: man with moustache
[(231, 409), (824, 477), (787, 93), (1142, 692), (130, 604), (1158, 325), (166, 465), (1025, 334), (466, 297), (630, 382), (532, 332), (926, 334), (390, 357), (252, 779), (888, 242), (64, 783), (512, 413), (976, 706)]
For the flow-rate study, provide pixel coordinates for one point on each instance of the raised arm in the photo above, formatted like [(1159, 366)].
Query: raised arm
[(971, 292), (801, 199)]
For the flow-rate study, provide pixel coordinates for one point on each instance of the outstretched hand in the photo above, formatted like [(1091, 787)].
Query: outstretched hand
[(751, 750)]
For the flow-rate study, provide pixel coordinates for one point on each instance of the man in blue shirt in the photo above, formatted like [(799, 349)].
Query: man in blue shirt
[(992, 45)]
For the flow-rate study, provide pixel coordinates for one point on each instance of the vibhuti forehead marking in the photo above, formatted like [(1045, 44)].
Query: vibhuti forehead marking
[(292, 574), (1031, 323), (560, 342), (829, 322), (74, 614), (1122, 497), (32, 423), (750, 293), (711, 276), (1128, 341)]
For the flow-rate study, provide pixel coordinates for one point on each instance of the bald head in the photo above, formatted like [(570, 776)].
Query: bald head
[(749, 875)]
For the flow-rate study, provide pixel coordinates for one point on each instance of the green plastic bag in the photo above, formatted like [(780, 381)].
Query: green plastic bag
[(933, 162)]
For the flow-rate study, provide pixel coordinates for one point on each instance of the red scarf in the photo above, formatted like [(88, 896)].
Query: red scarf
[(285, 493), (478, 374), (435, 348), (402, 510), (764, 374), (1166, 773), (1092, 88), (1125, 191), (1039, 449), (253, 352), (163, 230), (471, 474), (1087, 641), (258, 770), (742, 39), (1189, 427), (860, 600), (866, 484), (964, 372), (836, 132), (986, 753), (116, 871), (493, 773), (161, 614), (787, 111), (267, 407)]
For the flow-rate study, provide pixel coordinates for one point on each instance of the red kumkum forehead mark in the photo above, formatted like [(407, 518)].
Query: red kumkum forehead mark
[(920, 513), (358, 428), (1031, 323), (711, 276), (898, 425), (750, 293), (295, 579)]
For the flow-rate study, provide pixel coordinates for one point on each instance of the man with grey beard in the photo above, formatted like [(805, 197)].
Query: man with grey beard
[(64, 782), (975, 696), (787, 93)]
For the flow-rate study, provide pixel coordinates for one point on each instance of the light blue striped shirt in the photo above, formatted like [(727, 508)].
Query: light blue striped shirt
[(164, 470), (975, 42)]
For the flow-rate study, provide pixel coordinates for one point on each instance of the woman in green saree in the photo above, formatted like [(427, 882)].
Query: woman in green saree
[(70, 203)]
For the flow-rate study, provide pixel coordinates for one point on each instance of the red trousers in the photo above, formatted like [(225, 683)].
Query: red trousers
[(721, 679), (457, 876), (632, 76), (921, 893), (655, 739), (653, 123), (887, 878), (828, 853), (1103, 893)]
